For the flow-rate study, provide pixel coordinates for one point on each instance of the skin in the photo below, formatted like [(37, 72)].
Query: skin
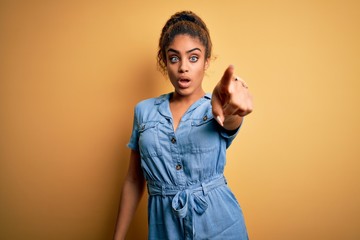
[(131, 194), (231, 100), (186, 66)]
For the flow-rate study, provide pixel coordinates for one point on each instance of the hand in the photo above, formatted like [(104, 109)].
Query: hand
[(231, 99)]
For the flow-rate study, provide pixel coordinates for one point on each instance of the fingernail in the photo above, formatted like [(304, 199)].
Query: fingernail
[(218, 119)]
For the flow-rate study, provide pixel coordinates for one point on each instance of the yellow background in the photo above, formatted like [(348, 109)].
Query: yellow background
[(72, 71)]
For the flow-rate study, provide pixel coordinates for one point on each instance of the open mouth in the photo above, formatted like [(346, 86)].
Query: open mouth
[(184, 82)]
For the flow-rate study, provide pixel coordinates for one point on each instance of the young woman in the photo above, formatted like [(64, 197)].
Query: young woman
[(179, 141)]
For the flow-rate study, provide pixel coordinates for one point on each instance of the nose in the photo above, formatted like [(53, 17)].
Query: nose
[(183, 67)]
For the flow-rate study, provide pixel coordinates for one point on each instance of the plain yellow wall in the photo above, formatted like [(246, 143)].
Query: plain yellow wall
[(72, 71)]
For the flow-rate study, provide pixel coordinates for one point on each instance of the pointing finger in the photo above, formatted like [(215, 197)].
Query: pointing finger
[(227, 77)]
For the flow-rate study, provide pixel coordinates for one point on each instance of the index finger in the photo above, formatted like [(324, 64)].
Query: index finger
[(227, 77)]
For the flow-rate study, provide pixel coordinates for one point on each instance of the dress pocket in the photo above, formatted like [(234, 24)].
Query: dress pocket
[(204, 135), (149, 139)]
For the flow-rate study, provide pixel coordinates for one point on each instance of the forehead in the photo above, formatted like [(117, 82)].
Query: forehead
[(184, 42)]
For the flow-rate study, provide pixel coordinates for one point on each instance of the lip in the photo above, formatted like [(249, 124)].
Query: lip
[(184, 82)]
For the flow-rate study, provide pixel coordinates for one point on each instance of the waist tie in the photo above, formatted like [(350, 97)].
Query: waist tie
[(185, 201)]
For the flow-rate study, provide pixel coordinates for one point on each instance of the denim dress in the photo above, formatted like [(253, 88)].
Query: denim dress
[(188, 194)]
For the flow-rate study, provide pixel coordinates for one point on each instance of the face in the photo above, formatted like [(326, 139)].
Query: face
[(186, 65)]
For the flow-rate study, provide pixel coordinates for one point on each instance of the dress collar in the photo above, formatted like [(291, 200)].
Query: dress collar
[(163, 102), (166, 97)]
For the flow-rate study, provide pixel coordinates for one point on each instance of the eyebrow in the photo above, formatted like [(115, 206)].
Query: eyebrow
[(176, 51)]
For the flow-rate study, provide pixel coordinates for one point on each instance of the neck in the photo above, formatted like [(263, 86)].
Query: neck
[(186, 99)]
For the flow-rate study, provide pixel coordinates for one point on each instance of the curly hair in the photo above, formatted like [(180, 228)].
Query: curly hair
[(184, 22)]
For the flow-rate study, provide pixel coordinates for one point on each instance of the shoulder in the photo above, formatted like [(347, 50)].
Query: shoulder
[(149, 106), (150, 102), (203, 108), (205, 103)]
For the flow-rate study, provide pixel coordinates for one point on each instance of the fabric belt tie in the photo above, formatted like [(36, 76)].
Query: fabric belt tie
[(185, 201)]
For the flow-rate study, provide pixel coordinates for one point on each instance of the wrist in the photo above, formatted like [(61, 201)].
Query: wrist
[(232, 122)]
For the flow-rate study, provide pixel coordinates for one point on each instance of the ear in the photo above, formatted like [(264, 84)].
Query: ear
[(207, 63)]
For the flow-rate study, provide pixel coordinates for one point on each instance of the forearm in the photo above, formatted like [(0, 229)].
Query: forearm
[(130, 198)]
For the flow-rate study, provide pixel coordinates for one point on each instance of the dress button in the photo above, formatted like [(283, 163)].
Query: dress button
[(178, 167), (173, 140), (205, 118)]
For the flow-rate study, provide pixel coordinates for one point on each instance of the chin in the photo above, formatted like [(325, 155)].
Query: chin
[(184, 92)]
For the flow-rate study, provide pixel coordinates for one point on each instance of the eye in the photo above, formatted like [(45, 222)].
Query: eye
[(173, 59), (194, 58)]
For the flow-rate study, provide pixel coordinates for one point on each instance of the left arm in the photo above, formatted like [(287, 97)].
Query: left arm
[(231, 100)]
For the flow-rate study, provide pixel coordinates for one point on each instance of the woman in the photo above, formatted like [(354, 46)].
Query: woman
[(179, 141)]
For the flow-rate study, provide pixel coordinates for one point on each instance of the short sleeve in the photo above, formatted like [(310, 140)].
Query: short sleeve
[(134, 139), (230, 135)]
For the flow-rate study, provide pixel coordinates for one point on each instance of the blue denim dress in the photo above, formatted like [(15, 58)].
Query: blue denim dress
[(188, 194)]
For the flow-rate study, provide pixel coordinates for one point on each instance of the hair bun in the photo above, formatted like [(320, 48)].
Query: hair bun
[(186, 16)]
